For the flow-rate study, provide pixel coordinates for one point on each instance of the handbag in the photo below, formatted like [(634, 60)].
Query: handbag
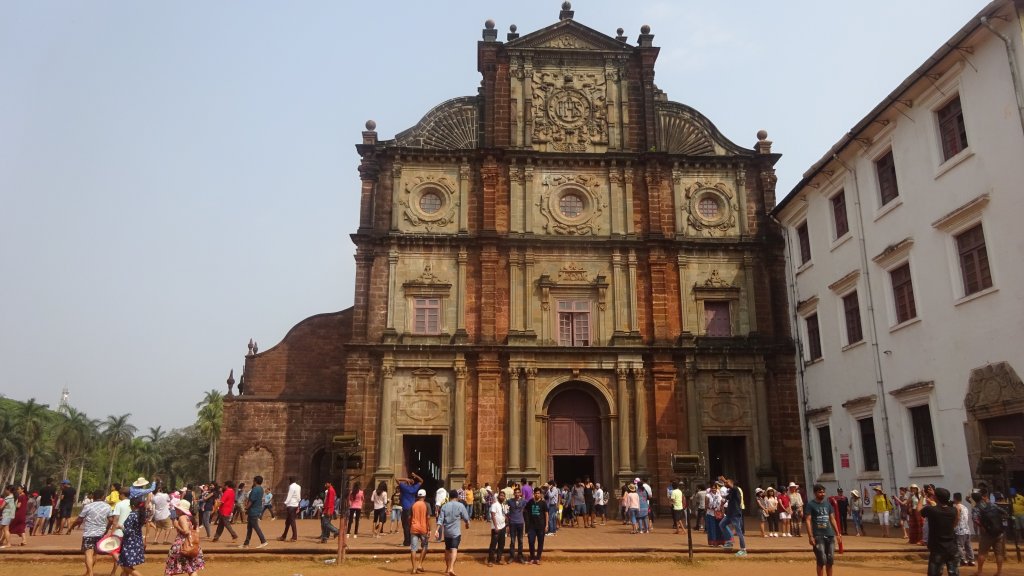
[(190, 545)]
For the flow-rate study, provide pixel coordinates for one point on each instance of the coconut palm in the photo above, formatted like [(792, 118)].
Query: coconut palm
[(72, 435), (146, 456), (117, 433), (30, 424), (10, 448), (210, 417), (155, 434)]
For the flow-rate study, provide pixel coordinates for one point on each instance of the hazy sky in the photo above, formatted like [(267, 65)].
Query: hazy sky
[(178, 177)]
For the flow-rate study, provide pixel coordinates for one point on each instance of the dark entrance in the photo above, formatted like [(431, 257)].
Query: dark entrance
[(727, 456), (574, 437), (320, 473), (423, 456)]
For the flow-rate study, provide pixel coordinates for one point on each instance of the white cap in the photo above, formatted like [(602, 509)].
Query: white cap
[(422, 492), (793, 485)]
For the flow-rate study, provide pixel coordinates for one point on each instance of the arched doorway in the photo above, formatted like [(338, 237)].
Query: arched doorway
[(574, 436)]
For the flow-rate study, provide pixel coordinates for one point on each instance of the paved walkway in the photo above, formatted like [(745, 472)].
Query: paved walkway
[(612, 538)]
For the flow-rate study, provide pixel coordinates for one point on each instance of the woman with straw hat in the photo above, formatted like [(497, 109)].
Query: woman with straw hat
[(177, 561)]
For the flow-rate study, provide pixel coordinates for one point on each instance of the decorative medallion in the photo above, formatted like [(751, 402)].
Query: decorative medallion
[(569, 112), (710, 208), (572, 273), (429, 202), (572, 204)]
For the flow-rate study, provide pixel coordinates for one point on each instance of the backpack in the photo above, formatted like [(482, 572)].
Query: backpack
[(991, 519)]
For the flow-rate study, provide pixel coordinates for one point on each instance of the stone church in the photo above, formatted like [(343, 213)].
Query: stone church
[(566, 274)]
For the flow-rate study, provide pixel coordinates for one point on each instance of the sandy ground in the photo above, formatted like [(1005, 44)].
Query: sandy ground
[(268, 565)]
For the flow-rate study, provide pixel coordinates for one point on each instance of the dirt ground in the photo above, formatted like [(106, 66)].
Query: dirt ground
[(782, 565)]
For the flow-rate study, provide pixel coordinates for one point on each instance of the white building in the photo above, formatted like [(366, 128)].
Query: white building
[(906, 249)]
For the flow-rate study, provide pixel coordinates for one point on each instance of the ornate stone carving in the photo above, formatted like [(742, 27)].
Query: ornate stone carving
[(569, 111), (586, 189), (993, 385), (423, 398), (436, 214), (572, 273), (726, 401), (716, 281), (567, 41), (710, 208)]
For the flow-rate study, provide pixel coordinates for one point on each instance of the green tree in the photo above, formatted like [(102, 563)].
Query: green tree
[(72, 437), (30, 419), (210, 419), (10, 447), (117, 433)]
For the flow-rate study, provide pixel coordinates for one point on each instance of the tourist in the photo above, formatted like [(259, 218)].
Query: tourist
[(772, 504), (675, 496), (470, 498), (857, 512), (1017, 508), (600, 501), (118, 516), (396, 513), (880, 505), (327, 529), (643, 513), (497, 520), (318, 505), (133, 549), (822, 531), (21, 515), (988, 521), (762, 508), (408, 489), (93, 518), (6, 515), (553, 500), (292, 505), (536, 517), (732, 522), (177, 561), (841, 507), (700, 498), (419, 530), (449, 526), (901, 502), (651, 502), (44, 512), (161, 515), (355, 509), (268, 503), (785, 512), (379, 499), (632, 508), (796, 505), (588, 500), (714, 513), (440, 497), (114, 496), (207, 498), (963, 531), (942, 520), (914, 530), (65, 505), (225, 511), (142, 487), (30, 513), (254, 512), (241, 497), (516, 526)]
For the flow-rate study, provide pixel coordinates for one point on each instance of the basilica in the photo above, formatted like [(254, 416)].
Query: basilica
[(564, 274)]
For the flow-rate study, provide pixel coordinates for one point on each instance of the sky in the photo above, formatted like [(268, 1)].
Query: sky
[(179, 177)]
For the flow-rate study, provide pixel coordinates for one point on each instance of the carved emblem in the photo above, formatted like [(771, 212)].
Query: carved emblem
[(569, 112), (572, 273), (567, 41), (423, 398), (726, 401), (586, 197), (711, 208), (428, 276), (716, 281)]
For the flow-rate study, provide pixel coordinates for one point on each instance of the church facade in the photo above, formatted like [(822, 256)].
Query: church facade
[(565, 275)]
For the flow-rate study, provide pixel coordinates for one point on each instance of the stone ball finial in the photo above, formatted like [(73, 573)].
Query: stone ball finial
[(620, 31), (566, 5), (762, 135), (513, 28), (645, 29), (371, 125), (489, 24)]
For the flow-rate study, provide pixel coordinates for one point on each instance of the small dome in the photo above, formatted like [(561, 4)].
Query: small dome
[(489, 24), (762, 135), (619, 31), (513, 28), (371, 125), (645, 29), (566, 5)]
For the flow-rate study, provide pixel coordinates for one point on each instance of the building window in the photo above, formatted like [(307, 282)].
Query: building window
[(430, 202), (571, 205), (924, 440), (825, 447), (851, 312), (974, 266), (952, 131), (427, 316), (903, 293), (716, 318), (885, 167), (813, 337), (868, 445), (839, 214), (574, 322), (708, 208), (805, 243)]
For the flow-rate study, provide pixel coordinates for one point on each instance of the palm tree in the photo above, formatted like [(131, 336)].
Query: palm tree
[(211, 415), (71, 436), (10, 448), (117, 433), (155, 434), (146, 455), (30, 424)]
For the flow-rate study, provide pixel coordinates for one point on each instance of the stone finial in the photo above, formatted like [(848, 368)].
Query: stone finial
[(764, 145), (646, 39), (566, 13), (371, 125), (250, 348), (370, 134), (231, 382), (512, 32), (489, 34), (620, 35), (255, 348)]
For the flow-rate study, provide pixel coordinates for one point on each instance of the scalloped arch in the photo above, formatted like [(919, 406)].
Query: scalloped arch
[(683, 130), (451, 125)]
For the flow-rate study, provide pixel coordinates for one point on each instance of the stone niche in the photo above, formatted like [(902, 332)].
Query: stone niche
[(256, 460), (424, 398)]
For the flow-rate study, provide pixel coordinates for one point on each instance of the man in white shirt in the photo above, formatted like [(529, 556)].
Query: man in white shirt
[(161, 515), (496, 516), (291, 506)]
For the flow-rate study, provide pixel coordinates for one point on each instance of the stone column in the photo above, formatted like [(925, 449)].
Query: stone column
[(763, 433), (640, 388), (515, 303), (681, 263), (465, 189), (693, 425), (528, 299), (622, 398), (387, 426), (628, 177), (460, 293), (459, 436), (531, 420), (515, 444), (392, 288), (631, 263), (751, 303), (618, 293)]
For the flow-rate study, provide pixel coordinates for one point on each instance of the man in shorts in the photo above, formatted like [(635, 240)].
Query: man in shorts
[(419, 531), (988, 539), (822, 530), (65, 503), (47, 495), (676, 495), (448, 524), (93, 518)]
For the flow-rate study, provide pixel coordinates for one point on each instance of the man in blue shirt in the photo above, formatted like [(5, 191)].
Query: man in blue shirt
[(254, 509), (552, 498), (408, 489), (448, 524), (733, 516)]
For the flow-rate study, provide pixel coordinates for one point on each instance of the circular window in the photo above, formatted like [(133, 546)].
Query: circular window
[(708, 208), (570, 205), (430, 202)]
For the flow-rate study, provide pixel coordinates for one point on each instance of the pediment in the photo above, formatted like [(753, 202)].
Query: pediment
[(568, 35)]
